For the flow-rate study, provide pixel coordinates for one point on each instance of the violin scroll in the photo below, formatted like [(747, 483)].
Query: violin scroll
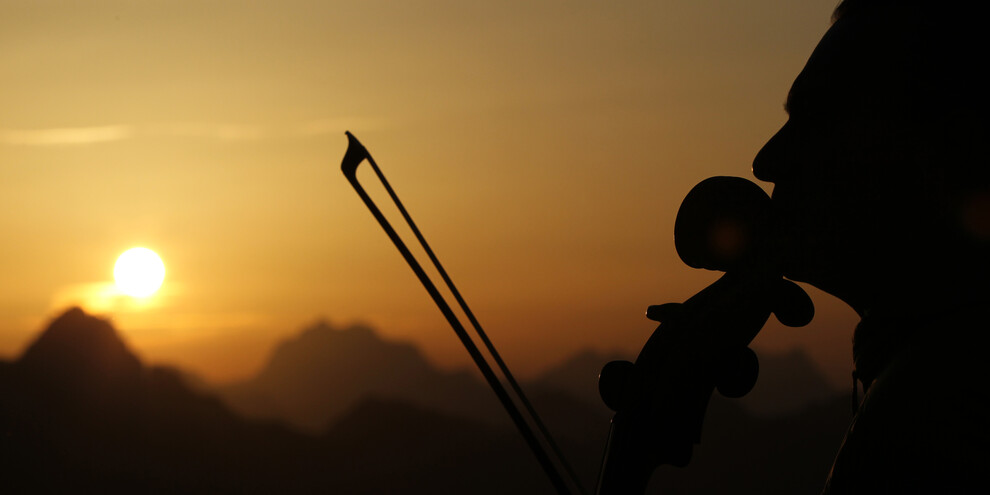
[(724, 223)]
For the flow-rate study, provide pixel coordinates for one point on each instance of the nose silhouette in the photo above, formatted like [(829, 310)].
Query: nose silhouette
[(763, 168), (770, 162)]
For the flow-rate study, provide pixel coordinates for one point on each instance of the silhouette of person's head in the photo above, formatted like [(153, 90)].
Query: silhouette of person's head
[(881, 173)]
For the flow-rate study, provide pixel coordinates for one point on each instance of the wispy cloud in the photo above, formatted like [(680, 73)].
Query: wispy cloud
[(65, 135), (321, 127), (95, 297), (62, 136), (222, 132)]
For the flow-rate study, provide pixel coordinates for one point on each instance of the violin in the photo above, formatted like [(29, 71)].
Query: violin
[(702, 344)]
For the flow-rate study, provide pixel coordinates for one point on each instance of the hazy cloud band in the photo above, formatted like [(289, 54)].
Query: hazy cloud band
[(65, 135), (62, 136)]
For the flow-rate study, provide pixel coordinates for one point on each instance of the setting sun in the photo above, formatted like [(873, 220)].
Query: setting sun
[(139, 272)]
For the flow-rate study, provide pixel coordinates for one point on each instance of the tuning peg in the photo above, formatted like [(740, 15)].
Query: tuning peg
[(791, 305), (737, 373), (612, 382)]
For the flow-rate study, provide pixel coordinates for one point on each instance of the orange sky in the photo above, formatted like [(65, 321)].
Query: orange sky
[(543, 148)]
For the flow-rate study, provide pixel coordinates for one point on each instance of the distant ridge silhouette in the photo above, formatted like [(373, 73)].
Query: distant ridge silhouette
[(788, 383), (79, 412), (314, 377), (311, 379), (578, 376)]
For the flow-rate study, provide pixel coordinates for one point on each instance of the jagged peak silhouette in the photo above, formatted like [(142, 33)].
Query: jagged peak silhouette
[(78, 347), (324, 370), (322, 332), (322, 346)]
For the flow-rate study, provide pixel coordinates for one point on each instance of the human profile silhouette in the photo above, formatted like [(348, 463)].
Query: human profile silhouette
[(882, 198)]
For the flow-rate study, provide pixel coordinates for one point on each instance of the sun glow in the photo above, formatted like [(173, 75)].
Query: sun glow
[(139, 272)]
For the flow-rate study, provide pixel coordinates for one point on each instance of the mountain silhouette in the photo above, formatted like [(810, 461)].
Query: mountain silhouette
[(81, 354), (577, 376), (310, 380), (79, 412), (788, 382), (314, 378)]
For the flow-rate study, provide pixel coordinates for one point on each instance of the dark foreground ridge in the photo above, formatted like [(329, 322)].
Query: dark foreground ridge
[(79, 412)]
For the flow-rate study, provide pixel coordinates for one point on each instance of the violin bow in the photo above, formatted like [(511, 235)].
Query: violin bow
[(357, 153)]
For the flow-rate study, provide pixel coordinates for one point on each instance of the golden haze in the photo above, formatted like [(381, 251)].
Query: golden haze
[(543, 147)]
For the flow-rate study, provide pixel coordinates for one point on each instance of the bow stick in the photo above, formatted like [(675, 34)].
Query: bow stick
[(357, 153)]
